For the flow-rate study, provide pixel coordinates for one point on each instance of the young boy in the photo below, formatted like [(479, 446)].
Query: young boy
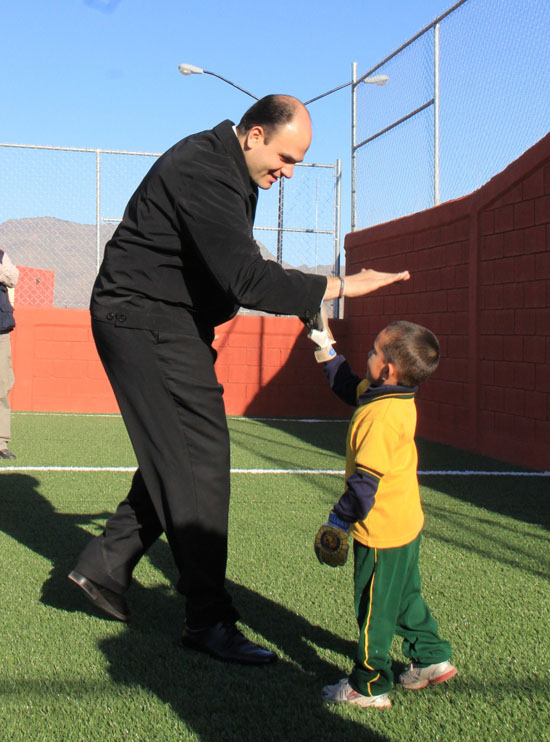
[(381, 510)]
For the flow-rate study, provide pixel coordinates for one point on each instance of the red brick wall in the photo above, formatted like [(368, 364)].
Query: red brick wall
[(35, 287), (437, 296), (514, 315), (265, 364), (55, 363), (481, 281), (267, 368)]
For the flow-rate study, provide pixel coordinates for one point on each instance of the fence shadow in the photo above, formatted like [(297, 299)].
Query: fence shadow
[(519, 497)]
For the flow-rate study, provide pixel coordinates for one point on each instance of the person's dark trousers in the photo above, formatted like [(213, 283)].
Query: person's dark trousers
[(172, 406), (388, 601)]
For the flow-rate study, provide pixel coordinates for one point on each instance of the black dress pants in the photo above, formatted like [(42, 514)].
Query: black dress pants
[(172, 406)]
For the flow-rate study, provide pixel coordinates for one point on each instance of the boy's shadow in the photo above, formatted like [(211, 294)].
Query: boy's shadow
[(217, 701)]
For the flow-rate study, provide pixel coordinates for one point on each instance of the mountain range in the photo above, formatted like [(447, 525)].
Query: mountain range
[(70, 250)]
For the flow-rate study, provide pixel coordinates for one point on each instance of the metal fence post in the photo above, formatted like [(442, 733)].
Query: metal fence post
[(337, 217), (280, 220), (436, 114), (98, 208), (353, 144)]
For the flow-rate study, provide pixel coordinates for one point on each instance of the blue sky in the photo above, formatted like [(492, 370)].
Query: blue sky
[(102, 73)]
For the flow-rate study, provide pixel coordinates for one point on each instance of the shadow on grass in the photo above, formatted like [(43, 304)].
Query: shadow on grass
[(329, 438), (219, 701), (216, 701), (519, 497), (30, 518)]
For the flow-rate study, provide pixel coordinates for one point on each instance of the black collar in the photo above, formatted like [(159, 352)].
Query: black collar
[(374, 393)]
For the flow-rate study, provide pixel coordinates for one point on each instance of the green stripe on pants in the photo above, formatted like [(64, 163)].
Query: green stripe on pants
[(387, 602)]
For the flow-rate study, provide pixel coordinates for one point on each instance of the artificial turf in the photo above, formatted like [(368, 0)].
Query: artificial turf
[(69, 674)]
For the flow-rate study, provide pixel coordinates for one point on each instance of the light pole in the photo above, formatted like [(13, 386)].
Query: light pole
[(370, 80), (190, 69), (374, 80)]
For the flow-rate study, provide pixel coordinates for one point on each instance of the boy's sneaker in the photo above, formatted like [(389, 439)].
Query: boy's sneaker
[(415, 678), (342, 692)]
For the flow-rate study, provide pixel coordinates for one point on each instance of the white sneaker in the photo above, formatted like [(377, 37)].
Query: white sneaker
[(342, 692), (415, 678)]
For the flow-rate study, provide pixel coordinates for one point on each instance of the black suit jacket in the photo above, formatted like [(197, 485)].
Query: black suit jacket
[(185, 242)]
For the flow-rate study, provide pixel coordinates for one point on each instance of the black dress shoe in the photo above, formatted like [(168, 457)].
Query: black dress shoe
[(5, 453), (225, 642), (102, 597)]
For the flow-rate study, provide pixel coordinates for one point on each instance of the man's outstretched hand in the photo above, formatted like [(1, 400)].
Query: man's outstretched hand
[(364, 282)]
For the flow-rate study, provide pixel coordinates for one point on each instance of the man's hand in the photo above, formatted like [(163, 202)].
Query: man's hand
[(320, 334), (331, 542), (362, 283)]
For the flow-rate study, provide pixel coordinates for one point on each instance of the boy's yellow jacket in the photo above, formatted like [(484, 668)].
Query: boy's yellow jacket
[(382, 499)]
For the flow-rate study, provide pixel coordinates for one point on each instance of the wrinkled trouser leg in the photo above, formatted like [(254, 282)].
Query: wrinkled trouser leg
[(172, 405)]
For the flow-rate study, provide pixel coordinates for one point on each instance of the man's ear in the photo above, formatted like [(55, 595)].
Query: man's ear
[(254, 137)]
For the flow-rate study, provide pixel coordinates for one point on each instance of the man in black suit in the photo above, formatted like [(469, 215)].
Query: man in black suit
[(182, 261)]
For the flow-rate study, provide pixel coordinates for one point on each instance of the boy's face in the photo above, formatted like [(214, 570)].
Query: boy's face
[(376, 364)]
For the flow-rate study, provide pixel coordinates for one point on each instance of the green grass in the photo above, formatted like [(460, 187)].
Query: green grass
[(69, 675)]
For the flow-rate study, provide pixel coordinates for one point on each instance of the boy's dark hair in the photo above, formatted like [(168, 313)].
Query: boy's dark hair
[(270, 113), (413, 350)]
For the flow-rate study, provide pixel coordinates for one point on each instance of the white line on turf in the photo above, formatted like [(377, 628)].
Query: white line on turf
[(339, 472)]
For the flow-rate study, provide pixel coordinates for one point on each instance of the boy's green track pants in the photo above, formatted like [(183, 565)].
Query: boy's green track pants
[(387, 602)]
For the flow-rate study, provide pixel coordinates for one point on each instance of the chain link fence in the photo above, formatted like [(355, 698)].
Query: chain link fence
[(465, 97), (59, 206)]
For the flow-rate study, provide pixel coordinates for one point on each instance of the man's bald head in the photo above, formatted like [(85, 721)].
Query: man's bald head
[(272, 112)]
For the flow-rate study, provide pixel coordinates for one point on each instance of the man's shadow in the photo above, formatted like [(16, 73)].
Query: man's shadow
[(30, 518), (217, 701), (221, 701)]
